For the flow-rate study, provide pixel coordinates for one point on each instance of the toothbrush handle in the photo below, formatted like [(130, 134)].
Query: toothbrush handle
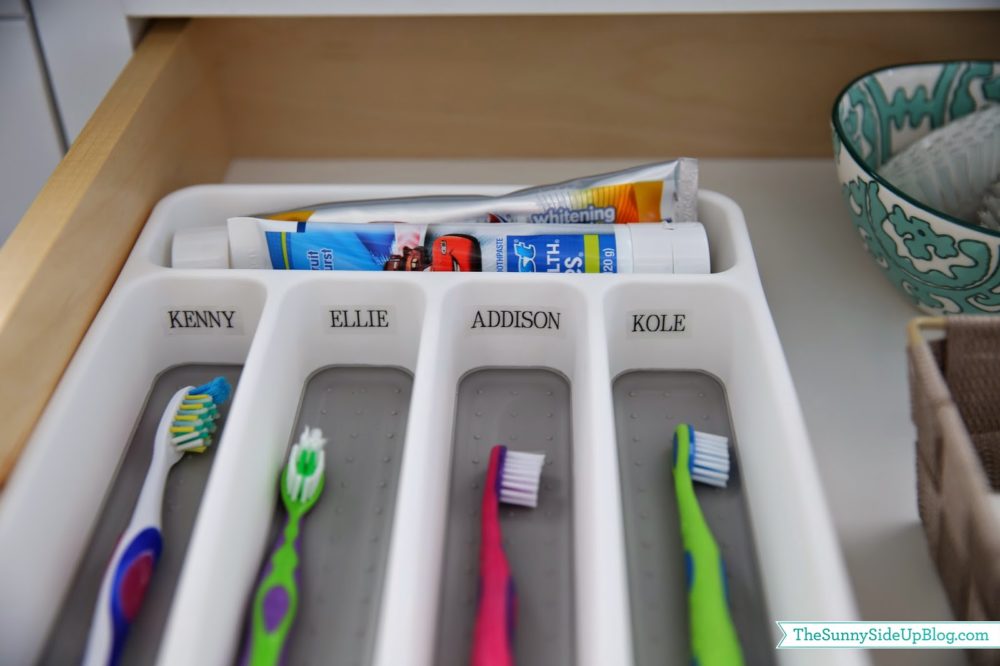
[(496, 613), (129, 571), (713, 636), (122, 590), (276, 600)]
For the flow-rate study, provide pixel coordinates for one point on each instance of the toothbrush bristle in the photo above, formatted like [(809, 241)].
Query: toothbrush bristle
[(194, 422), (709, 459), (218, 389), (305, 465), (520, 477)]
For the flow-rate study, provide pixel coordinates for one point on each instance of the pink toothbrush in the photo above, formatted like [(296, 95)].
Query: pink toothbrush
[(512, 478)]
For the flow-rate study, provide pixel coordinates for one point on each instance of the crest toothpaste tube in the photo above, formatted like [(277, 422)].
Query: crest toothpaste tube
[(247, 242), (663, 192)]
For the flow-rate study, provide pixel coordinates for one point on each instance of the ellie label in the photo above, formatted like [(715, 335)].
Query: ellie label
[(203, 320), (658, 323), (368, 318)]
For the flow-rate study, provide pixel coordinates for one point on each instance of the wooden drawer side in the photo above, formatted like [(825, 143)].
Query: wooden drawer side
[(706, 85), (158, 129)]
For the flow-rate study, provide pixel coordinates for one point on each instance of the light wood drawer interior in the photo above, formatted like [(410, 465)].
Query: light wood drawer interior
[(199, 93)]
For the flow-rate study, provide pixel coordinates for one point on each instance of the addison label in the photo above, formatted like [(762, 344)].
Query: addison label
[(204, 320), (644, 322), (541, 320), (373, 318)]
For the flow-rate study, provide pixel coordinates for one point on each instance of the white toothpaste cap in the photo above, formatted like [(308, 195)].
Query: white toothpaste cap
[(671, 247), (200, 247)]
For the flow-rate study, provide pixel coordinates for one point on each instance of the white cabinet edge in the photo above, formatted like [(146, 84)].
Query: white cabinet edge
[(143, 8), (12, 9), (30, 146), (85, 46)]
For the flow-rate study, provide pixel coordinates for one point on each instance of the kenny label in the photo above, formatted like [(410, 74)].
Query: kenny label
[(509, 318), (373, 318), (204, 320), (658, 322)]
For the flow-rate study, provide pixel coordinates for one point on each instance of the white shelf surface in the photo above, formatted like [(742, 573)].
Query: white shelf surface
[(149, 8), (842, 326)]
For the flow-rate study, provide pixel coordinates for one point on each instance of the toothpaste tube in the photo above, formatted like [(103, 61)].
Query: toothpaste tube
[(248, 242), (666, 192)]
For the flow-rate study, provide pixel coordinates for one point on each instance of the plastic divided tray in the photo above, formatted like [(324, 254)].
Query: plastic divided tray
[(411, 396)]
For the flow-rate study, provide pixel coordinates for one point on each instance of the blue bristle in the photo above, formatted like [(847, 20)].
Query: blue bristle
[(725, 578), (692, 449), (218, 388), (503, 457), (675, 449)]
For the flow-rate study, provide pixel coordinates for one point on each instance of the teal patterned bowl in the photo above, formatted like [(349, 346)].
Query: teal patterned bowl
[(944, 265)]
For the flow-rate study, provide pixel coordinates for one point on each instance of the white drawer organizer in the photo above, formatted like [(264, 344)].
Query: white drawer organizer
[(282, 336)]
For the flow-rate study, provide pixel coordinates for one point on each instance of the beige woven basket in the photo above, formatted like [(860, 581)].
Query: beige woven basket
[(955, 401)]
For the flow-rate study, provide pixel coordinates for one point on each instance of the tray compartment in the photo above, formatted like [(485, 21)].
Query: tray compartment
[(648, 406), (528, 410), (362, 412), (84, 436), (725, 336), (420, 622), (181, 499), (300, 352)]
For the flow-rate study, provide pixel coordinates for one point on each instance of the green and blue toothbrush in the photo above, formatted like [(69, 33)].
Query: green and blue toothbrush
[(704, 458)]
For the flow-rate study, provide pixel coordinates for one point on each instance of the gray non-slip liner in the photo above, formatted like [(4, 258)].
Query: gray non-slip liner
[(182, 498), (529, 410), (345, 537), (648, 406)]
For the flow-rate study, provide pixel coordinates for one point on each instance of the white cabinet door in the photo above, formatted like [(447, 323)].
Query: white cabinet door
[(10, 8), (30, 146)]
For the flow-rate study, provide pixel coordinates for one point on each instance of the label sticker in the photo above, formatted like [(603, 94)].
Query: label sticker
[(505, 319), (355, 318), (200, 319), (658, 322), (553, 253)]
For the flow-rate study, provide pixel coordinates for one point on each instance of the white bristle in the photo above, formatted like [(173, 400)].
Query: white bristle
[(299, 486), (293, 480), (192, 444), (520, 478), (180, 439), (312, 438), (710, 459), (313, 480)]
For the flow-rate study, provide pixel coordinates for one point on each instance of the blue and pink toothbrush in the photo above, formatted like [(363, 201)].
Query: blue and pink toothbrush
[(188, 424)]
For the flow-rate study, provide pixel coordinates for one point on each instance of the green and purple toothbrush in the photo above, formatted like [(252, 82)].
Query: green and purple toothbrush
[(276, 599), (704, 458)]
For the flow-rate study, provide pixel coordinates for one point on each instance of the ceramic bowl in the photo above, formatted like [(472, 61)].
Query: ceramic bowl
[(944, 265)]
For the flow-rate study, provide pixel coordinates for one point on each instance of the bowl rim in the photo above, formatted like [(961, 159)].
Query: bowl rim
[(841, 135)]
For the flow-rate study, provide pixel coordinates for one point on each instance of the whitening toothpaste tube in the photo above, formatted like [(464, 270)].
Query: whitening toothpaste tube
[(247, 242), (664, 192)]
